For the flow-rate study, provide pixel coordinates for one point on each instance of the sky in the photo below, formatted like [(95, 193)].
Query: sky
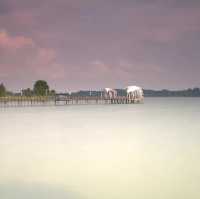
[(92, 44)]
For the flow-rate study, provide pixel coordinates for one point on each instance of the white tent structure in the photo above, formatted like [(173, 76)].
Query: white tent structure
[(135, 93), (110, 93)]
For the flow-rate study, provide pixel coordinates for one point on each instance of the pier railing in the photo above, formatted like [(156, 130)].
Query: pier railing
[(63, 100)]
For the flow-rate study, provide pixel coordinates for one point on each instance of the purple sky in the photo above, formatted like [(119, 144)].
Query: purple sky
[(92, 44)]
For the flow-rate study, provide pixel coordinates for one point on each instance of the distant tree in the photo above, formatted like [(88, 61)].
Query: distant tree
[(2, 90), (52, 92), (196, 92), (27, 92), (9, 93), (41, 88)]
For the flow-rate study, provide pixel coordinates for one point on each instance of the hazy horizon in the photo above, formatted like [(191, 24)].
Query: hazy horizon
[(94, 89)]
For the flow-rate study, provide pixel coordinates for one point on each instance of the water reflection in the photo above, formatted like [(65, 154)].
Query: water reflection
[(147, 151), (34, 191)]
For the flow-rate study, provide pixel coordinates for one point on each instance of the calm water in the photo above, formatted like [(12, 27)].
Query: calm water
[(143, 151)]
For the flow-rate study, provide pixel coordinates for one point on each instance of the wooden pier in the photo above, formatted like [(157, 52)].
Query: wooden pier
[(17, 101)]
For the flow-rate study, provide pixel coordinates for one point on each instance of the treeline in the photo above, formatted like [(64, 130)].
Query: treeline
[(195, 92), (2, 90), (41, 88)]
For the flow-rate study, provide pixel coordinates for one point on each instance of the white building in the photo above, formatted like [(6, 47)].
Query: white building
[(110, 93), (135, 93)]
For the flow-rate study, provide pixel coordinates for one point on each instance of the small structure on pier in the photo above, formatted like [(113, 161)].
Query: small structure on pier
[(135, 93), (110, 93)]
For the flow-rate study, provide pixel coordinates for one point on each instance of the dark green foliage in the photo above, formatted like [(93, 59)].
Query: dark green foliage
[(2, 90), (52, 93), (27, 92), (147, 93), (121, 92), (195, 92), (41, 88)]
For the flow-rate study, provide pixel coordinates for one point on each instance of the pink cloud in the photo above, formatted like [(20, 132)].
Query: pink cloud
[(24, 54), (9, 42)]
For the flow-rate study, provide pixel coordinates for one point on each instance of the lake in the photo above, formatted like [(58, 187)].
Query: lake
[(127, 151)]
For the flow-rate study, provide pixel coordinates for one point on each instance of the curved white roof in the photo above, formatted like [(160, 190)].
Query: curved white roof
[(108, 89), (133, 88)]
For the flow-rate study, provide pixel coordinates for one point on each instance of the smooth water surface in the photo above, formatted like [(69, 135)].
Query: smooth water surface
[(141, 151)]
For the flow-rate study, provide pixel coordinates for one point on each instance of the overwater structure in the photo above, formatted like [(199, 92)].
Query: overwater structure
[(109, 96)]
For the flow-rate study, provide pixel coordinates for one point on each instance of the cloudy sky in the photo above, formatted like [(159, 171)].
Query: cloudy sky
[(90, 44)]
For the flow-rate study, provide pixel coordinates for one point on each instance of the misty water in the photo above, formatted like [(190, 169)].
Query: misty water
[(141, 151)]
